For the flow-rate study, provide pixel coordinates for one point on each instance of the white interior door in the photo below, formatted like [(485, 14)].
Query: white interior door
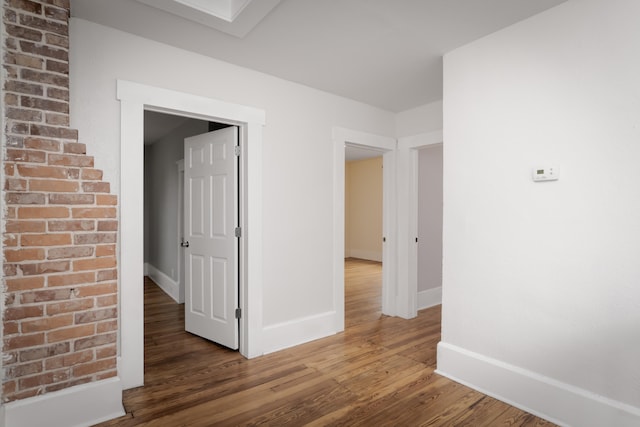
[(211, 245)]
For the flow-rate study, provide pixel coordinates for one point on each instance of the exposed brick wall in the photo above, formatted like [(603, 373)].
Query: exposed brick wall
[(60, 284)]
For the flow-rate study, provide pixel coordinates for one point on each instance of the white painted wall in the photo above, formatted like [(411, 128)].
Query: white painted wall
[(541, 301), (297, 151), (423, 119), (430, 218)]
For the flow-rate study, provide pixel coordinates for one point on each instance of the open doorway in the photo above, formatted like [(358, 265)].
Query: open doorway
[(363, 235)]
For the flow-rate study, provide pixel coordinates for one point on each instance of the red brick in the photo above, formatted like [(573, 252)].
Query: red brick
[(54, 186), (69, 360), (74, 225), (96, 187), (69, 306), (95, 290), (43, 379), (94, 264), (23, 88), (108, 326), (94, 367), (26, 5), (106, 199), (45, 239), (43, 171), (23, 114), (95, 341), (94, 238), (44, 24), (107, 225), (45, 296), (44, 352), (71, 333), (47, 323), (30, 156), (104, 352), (70, 252), (42, 144), (23, 33), (96, 315), (8, 387), (57, 119), (55, 40), (13, 184), (71, 279), (24, 284), (24, 369), (105, 250), (107, 300), (19, 255), (19, 313), (55, 132), (44, 268), (43, 212), (10, 240), (9, 169), (57, 66), (23, 341), (71, 199), (93, 212), (93, 174), (70, 160), (25, 198), (75, 148), (56, 13), (67, 384), (43, 104), (10, 328), (14, 226), (21, 128), (106, 275)]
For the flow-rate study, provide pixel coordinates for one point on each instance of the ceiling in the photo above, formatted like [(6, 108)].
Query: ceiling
[(385, 53)]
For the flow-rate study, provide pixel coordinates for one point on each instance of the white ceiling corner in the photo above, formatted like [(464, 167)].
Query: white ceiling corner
[(234, 17)]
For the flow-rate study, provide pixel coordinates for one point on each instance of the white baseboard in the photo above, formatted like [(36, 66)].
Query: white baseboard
[(145, 269), (429, 298), (299, 331), (368, 255), (166, 283), (545, 397), (82, 405)]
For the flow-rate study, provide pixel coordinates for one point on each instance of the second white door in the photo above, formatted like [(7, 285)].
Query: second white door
[(211, 245)]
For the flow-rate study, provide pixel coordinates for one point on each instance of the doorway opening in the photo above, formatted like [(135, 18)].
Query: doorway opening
[(363, 234), (134, 99), (165, 243)]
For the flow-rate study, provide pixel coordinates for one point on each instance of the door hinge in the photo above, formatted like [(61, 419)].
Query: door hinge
[(237, 148), (238, 313), (238, 232)]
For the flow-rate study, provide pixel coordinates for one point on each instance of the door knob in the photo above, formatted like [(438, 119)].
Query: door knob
[(184, 244)]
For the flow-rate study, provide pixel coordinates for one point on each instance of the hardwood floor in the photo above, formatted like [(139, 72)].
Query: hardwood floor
[(379, 372)]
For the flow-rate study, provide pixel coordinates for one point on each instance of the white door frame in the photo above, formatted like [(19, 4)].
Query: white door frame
[(407, 199), (134, 99), (341, 138)]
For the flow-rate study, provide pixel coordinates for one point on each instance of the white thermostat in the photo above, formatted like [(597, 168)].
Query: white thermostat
[(546, 173)]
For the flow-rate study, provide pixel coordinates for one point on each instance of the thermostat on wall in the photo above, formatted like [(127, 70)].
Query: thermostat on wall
[(545, 174)]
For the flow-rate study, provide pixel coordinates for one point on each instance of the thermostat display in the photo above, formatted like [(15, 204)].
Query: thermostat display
[(545, 174)]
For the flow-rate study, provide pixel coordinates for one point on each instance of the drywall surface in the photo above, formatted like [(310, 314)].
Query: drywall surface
[(363, 223), (430, 217), (423, 119), (543, 277), (297, 149)]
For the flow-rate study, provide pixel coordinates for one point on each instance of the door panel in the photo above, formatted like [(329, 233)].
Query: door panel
[(211, 204)]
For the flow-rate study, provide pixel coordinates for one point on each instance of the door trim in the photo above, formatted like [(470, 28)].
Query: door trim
[(387, 145), (134, 99)]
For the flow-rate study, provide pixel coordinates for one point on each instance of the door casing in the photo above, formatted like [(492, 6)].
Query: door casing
[(134, 99)]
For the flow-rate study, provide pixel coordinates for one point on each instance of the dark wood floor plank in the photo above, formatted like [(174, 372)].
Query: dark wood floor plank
[(380, 372)]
